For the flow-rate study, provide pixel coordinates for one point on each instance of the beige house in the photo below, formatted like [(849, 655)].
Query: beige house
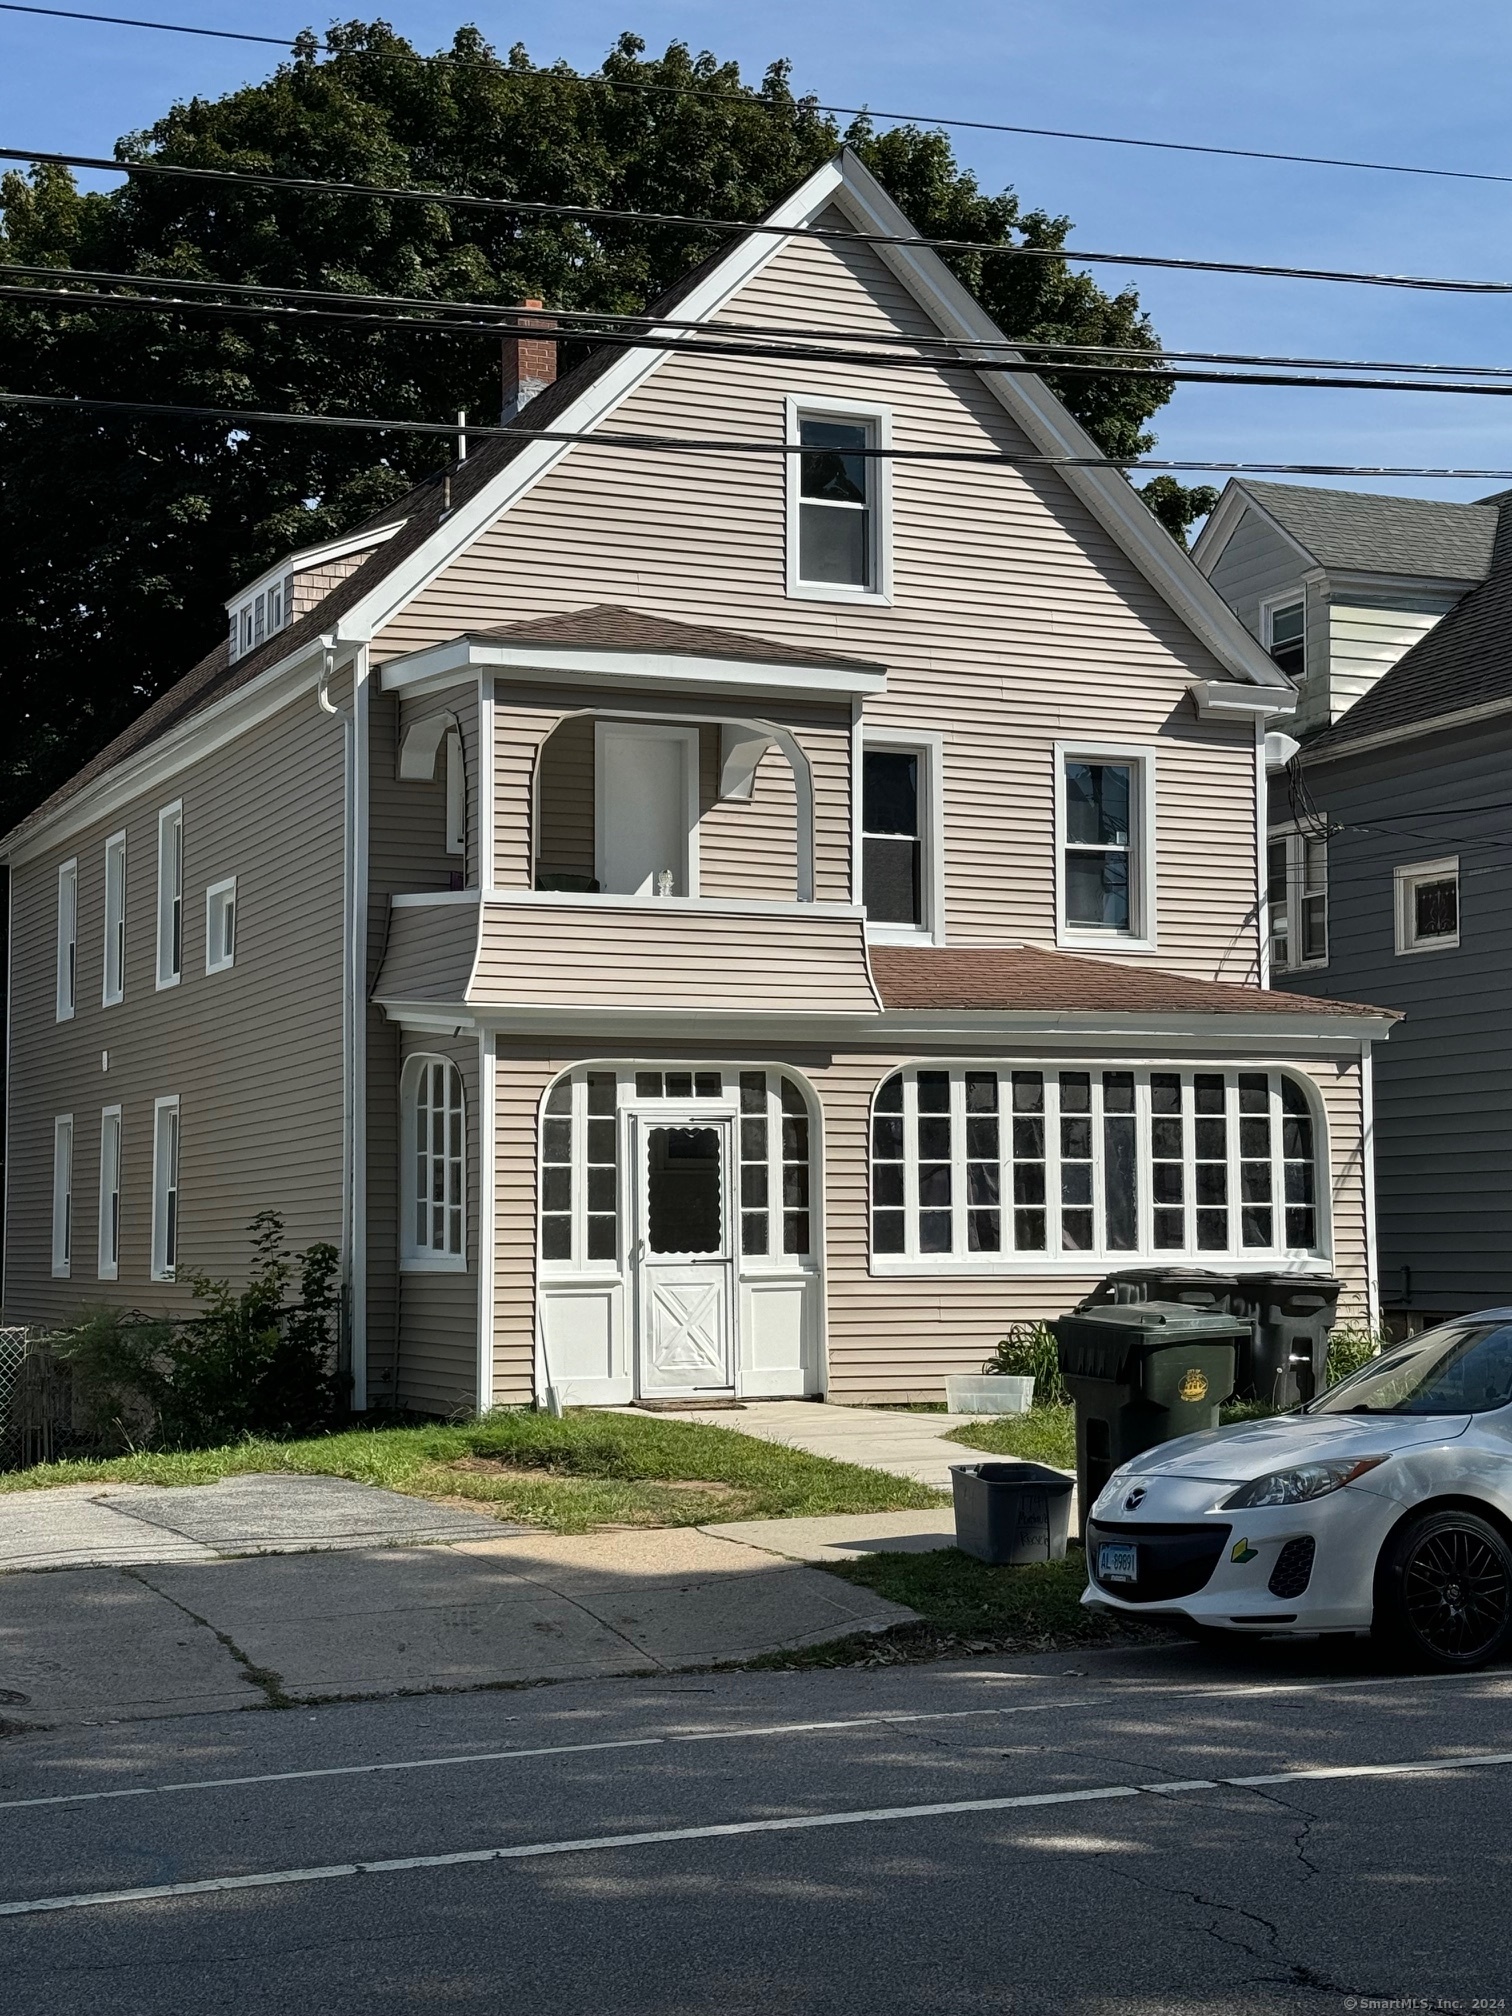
[(691, 923)]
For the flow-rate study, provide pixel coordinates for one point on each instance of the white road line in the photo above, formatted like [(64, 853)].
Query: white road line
[(797, 1823), (1251, 1691)]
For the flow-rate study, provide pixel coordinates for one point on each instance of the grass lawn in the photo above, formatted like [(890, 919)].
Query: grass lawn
[(1048, 1434), (569, 1475)]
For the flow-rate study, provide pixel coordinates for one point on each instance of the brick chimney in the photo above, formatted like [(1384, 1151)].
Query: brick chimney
[(529, 361)]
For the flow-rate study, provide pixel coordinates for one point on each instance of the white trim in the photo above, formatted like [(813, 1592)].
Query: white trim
[(708, 906), (488, 1150), (1367, 1159), (357, 938), (108, 1262), (929, 745), (1262, 858), (413, 1257), (170, 870), (309, 557), (1142, 935), (442, 665), (113, 964), (66, 967), (687, 739), (1221, 700), (485, 788), (800, 406), (216, 960), (62, 1196), (167, 1176), (1405, 881)]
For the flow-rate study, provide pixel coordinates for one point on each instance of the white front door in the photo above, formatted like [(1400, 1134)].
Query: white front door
[(685, 1257), (646, 809)]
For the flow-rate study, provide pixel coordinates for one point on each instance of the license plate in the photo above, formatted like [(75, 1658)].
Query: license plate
[(1117, 1564)]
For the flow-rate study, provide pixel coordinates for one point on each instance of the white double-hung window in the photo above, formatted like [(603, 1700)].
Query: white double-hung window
[(1105, 823), (902, 851), (165, 1187), (1284, 624), (433, 1147), (839, 501), (996, 1169), (62, 1196), (170, 895), (1297, 900), (110, 1193), (68, 940), (220, 925), (115, 920)]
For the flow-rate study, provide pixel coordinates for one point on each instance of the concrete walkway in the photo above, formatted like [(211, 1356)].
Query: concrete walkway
[(908, 1445)]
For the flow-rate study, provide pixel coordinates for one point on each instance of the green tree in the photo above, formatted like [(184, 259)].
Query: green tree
[(122, 538)]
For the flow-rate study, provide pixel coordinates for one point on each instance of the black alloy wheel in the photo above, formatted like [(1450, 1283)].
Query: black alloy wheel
[(1447, 1590)]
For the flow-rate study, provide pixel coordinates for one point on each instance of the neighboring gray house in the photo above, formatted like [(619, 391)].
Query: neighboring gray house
[(1391, 843)]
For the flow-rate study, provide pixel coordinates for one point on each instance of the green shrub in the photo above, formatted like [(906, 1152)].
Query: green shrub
[(251, 1363), (1351, 1346), (1029, 1351)]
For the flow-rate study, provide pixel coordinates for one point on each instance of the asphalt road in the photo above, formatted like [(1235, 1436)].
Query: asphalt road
[(1041, 1835)]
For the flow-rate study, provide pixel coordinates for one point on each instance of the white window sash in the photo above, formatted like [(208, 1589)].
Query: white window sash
[(878, 422), (929, 747), (433, 1084), (1407, 880), (220, 910), (1300, 888), (62, 1197), (165, 1188), (110, 1194), (68, 941), (114, 984), (170, 895), (1140, 760)]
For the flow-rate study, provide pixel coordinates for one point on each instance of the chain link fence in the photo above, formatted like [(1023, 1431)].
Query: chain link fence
[(36, 1403)]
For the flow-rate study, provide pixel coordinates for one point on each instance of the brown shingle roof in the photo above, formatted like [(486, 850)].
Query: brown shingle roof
[(607, 627), (1026, 978)]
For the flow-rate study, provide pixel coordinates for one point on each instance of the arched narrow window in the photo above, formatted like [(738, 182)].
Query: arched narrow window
[(435, 1164)]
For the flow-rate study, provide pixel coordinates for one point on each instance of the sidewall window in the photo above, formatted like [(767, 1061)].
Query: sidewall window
[(1428, 905), (433, 1174), (1105, 844), (839, 491)]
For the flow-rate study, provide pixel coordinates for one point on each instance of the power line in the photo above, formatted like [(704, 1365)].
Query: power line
[(239, 417), (931, 119), (306, 185)]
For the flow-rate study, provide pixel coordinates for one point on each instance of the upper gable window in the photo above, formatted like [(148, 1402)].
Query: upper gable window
[(838, 501), (1285, 627), (1105, 813)]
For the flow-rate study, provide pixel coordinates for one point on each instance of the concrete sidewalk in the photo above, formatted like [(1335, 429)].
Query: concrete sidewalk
[(907, 1445)]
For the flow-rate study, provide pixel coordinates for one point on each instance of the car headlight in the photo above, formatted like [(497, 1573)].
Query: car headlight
[(1295, 1487)]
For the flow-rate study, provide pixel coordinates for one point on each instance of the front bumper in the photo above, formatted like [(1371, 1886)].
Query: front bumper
[(1241, 1570)]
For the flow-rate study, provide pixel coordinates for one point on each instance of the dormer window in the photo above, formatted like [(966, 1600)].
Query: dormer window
[(262, 615)]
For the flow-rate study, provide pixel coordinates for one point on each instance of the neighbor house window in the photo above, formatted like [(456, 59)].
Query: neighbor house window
[(220, 925), (62, 1196), (170, 896), (1427, 905), (580, 1159), (1106, 845), (165, 1188), (110, 1193), (115, 919), (1296, 898), (68, 940), (1003, 1168), (434, 1149), (456, 795), (1285, 628), (837, 502)]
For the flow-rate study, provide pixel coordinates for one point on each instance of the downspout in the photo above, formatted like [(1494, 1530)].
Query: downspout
[(1367, 1161)]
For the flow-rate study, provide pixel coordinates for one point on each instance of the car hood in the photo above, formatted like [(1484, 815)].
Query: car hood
[(1250, 1449)]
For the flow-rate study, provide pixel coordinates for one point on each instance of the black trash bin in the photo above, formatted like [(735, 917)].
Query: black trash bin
[(1016, 1513), (1196, 1287), (1291, 1317), (1141, 1373)]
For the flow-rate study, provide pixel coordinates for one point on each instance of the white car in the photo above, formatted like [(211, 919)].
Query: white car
[(1385, 1504)]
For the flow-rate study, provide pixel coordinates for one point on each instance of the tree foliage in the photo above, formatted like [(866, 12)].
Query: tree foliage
[(124, 537)]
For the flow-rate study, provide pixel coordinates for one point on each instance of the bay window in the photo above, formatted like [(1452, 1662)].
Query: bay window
[(1014, 1168)]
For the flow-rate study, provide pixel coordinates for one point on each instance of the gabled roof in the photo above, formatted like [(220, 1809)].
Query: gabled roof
[(502, 468), (1461, 668), (1358, 533), (1025, 977)]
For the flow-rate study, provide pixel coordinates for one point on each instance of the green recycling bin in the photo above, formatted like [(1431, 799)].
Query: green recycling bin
[(1141, 1373)]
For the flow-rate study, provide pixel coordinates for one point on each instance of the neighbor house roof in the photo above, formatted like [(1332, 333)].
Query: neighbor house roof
[(1462, 666), (1028, 978), (1356, 532)]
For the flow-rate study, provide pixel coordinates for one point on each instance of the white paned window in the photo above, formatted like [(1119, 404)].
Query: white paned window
[(1285, 634), (220, 925), (434, 1149), (110, 1193), (1427, 905), (580, 1168), (68, 940), (115, 919), (1044, 1167), (1297, 900), (1105, 821), (170, 896), (776, 1218), (62, 1196), (456, 795), (902, 845), (165, 1188), (838, 501)]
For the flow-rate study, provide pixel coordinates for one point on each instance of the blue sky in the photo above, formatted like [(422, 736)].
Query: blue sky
[(1382, 79)]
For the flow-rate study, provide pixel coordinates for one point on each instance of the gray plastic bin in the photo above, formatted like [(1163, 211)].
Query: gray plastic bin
[(1011, 1513)]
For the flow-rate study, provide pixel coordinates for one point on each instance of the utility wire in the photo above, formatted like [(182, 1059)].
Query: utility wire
[(584, 323), (930, 119), (239, 417), (307, 185)]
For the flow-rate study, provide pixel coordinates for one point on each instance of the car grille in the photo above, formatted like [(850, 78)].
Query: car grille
[(1173, 1560), (1294, 1566)]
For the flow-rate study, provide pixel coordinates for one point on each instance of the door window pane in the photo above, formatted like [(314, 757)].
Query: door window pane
[(683, 1201), (1255, 1199), (1120, 1200), (1167, 1162), (1076, 1162), (795, 1169)]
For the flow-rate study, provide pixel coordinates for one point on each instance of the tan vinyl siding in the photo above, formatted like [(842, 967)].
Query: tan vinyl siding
[(565, 834), (438, 1313), (1015, 619), (640, 956), (254, 1053), (429, 954)]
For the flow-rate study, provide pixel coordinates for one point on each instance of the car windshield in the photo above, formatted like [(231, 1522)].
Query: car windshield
[(1460, 1368)]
